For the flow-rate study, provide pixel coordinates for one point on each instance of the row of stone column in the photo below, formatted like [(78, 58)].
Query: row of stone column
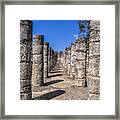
[(81, 60), (73, 60), (43, 60), (36, 60)]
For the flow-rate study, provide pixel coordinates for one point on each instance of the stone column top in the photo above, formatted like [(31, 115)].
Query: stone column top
[(39, 38), (25, 22), (66, 49), (46, 43)]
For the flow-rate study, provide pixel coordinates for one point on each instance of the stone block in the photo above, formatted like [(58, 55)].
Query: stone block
[(26, 30), (80, 65), (38, 59), (25, 71), (94, 67), (25, 52), (93, 84), (25, 89), (37, 79), (80, 73), (80, 55), (94, 48), (37, 49), (26, 96), (37, 68), (24, 83), (81, 46)]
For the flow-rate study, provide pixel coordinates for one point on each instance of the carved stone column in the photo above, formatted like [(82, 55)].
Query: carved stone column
[(25, 59), (80, 62), (93, 69), (46, 46), (49, 59), (69, 59), (38, 64), (73, 60)]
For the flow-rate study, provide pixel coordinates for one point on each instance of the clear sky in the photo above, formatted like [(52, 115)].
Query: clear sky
[(59, 33)]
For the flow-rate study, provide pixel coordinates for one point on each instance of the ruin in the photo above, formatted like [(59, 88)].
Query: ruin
[(80, 61)]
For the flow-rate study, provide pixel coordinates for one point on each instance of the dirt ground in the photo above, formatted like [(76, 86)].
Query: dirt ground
[(58, 87)]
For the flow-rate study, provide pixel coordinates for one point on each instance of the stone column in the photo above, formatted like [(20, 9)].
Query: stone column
[(66, 61), (73, 60), (38, 65), (93, 67), (80, 62), (61, 57), (49, 58), (55, 57), (52, 59), (69, 59), (25, 59), (46, 46)]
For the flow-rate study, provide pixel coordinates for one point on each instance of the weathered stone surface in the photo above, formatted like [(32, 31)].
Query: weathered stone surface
[(93, 67), (25, 59), (49, 58), (80, 82), (46, 46), (93, 85), (25, 89), (25, 30), (38, 57), (94, 48), (80, 64), (80, 56), (25, 96), (80, 45), (38, 63), (37, 79), (25, 71), (37, 49), (37, 68), (24, 83), (25, 51)]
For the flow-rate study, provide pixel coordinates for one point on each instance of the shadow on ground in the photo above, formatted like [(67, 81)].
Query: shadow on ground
[(52, 82), (55, 71), (49, 95), (55, 75)]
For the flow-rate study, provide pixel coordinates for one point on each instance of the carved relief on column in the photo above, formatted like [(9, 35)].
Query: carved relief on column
[(38, 65), (25, 59)]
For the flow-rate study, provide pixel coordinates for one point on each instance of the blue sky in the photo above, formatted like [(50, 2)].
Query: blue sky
[(59, 33)]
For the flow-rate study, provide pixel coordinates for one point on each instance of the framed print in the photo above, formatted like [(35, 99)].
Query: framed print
[(60, 59)]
